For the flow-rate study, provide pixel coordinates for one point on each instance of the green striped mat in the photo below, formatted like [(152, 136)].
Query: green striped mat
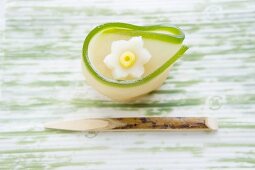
[(41, 81)]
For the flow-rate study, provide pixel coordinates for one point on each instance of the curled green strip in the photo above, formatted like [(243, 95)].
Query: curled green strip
[(171, 34)]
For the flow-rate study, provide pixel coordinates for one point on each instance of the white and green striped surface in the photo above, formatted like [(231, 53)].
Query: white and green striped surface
[(41, 81)]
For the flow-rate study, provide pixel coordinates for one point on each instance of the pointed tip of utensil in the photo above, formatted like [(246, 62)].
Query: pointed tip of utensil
[(50, 125), (77, 125)]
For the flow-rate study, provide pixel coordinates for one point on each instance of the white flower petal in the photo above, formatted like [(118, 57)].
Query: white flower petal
[(119, 46), (143, 56), (111, 61), (136, 72), (136, 42), (119, 74)]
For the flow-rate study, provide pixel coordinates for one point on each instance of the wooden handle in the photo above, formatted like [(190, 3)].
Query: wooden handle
[(160, 123)]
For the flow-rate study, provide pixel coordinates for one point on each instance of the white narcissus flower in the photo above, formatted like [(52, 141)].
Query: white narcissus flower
[(127, 58)]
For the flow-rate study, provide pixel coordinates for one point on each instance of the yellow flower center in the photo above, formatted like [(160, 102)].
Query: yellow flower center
[(127, 59)]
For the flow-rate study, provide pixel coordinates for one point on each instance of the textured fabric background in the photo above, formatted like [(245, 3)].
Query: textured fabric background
[(41, 81)]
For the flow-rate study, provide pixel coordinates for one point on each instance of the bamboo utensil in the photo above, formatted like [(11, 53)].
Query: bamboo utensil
[(137, 124)]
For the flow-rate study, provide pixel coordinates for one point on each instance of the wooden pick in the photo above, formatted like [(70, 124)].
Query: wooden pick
[(137, 124)]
